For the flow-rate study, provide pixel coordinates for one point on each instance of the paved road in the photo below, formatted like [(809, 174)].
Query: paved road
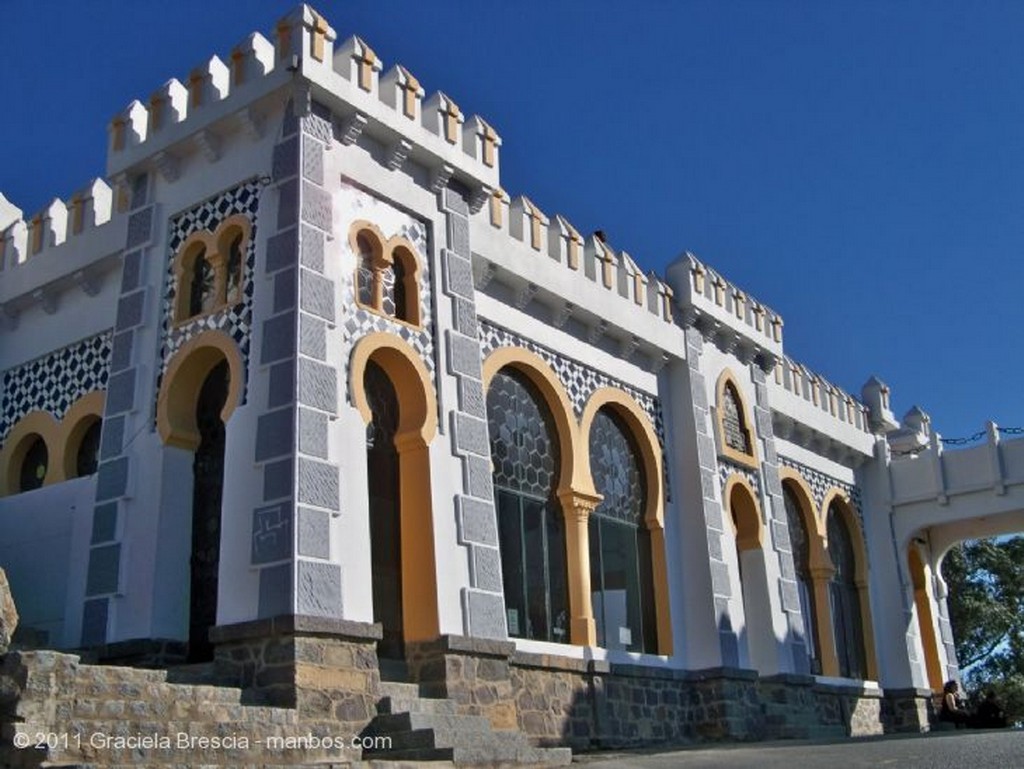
[(963, 749)]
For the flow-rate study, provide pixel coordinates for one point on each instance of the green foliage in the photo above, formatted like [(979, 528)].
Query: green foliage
[(986, 609)]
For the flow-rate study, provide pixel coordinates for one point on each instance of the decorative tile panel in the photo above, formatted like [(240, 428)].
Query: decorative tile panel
[(55, 381), (353, 204), (235, 320)]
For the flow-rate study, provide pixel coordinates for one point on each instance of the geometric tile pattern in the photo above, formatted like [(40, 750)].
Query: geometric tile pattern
[(55, 381), (727, 468), (235, 320), (820, 483)]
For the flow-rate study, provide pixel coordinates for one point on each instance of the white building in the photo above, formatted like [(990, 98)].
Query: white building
[(301, 358)]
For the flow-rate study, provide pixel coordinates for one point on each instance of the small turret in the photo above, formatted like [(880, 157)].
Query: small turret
[(875, 395)]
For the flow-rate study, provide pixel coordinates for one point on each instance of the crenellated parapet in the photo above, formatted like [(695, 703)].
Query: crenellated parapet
[(302, 62), (724, 311), (591, 259), (60, 222), (816, 390)]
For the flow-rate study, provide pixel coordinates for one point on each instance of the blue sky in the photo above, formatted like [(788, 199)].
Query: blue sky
[(857, 166)]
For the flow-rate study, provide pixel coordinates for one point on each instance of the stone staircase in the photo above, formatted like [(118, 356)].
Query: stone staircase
[(106, 717), (418, 727)]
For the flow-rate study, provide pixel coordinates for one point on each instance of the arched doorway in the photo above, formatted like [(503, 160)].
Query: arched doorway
[(391, 388), (847, 619), (383, 467), (753, 577), (200, 389), (207, 493)]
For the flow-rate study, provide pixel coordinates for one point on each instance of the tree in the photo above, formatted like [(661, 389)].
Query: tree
[(985, 578)]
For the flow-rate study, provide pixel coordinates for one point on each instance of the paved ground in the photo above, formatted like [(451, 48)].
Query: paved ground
[(962, 749)]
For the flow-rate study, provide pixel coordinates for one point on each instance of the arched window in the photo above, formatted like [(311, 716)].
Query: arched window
[(524, 452), (845, 603), (210, 269), (203, 286), (387, 274), (735, 434), (382, 466), (620, 545), (33, 465), (87, 454), (365, 270), (800, 544)]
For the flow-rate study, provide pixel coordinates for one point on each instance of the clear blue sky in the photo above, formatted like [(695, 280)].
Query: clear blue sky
[(857, 166)]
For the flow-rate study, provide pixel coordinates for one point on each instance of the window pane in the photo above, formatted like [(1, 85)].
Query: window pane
[(558, 590), (510, 530), (33, 466), (88, 450), (536, 570), (364, 271), (622, 584), (202, 296), (400, 299), (844, 598), (235, 269)]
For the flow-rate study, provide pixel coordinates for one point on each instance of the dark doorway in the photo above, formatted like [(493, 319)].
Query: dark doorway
[(208, 482), (385, 510)]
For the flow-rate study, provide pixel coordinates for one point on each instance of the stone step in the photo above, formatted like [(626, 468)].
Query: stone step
[(503, 745), (392, 705), (482, 757), (106, 688), (388, 724), (399, 690), (174, 709)]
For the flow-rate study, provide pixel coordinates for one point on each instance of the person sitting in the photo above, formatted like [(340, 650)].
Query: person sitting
[(952, 706), (990, 713)]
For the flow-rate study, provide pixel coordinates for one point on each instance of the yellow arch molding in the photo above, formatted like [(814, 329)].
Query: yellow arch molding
[(408, 374), (842, 502), (184, 377), (745, 512), (748, 460), (646, 440), (417, 426), (19, 440), (573, 473), (820, 568), (77, 420), (384, 252)]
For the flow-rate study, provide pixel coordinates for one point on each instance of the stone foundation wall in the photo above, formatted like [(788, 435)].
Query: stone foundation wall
[(326, 669), (908, 710)]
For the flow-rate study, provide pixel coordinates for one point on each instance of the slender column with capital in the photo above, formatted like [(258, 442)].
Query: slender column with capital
[(576, 509)]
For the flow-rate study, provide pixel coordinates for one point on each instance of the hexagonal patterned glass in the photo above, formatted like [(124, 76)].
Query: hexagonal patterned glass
[(616, 469), (797, 531), (523, 449)]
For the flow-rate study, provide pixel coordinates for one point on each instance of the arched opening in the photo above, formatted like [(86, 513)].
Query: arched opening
[(925, 619), (753, 578), (847, 619), (736, 439), (202, 287), (621, 579), (34, 464), (235, 261), (406, 268), (391, 388), (525, 455), (383, 474), (207, 492), (800, 544), (87, 451)]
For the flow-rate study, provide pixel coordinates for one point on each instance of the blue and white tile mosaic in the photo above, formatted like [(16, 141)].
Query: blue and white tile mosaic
[(55, 381), (235, 320)]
